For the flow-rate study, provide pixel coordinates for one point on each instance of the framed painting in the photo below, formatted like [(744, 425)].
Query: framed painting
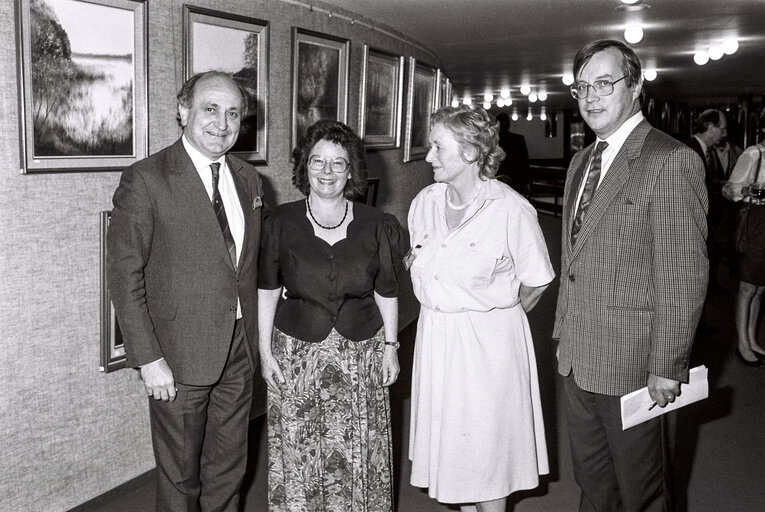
[(421, 97), (236, 45), (82, 84), (382, 83), (444, 90), (319, 80), (112, 344)]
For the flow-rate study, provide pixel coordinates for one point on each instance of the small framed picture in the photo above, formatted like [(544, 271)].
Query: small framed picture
[(421, 97), (319, 80), (236, 45), (82, 84), (382, 83), (112, 344)]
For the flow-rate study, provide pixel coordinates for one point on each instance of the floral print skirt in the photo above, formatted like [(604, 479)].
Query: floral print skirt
[(329, 434)]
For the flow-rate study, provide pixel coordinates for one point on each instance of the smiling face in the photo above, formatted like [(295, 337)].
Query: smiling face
[(326, 183), (211, 122), (605, 114), (447, 156)]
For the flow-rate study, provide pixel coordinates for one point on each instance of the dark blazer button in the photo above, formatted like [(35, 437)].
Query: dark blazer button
[(571, 277)]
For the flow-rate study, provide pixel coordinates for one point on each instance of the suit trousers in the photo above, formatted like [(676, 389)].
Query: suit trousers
[(616, 470), (200, 439)]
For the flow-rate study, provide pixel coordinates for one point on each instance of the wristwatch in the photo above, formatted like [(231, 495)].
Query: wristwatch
[(394, 344)]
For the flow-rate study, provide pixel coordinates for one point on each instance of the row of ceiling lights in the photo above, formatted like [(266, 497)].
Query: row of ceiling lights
[(633, 34)]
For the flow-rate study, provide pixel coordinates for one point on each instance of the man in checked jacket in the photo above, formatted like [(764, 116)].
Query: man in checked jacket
[(633, 281)]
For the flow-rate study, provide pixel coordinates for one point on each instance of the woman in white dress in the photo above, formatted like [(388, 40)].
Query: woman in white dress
[(478, 264)]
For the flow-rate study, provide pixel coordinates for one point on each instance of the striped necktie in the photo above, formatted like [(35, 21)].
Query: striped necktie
[(593, 176), (220, 212)]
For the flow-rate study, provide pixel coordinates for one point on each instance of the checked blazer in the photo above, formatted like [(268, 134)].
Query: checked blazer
[(633, 285), (172, 281)]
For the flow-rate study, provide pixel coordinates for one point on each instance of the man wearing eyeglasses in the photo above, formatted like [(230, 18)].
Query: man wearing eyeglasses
[(633, 280)]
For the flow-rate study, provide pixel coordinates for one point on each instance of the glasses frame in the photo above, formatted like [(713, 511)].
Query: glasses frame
[(329, 162), (595, 85)]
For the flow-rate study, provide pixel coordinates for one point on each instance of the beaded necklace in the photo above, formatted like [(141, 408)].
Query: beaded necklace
[(308, 204)]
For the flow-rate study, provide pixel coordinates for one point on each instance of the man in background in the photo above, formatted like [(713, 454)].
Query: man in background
[(182, 268), (514, 169), (633, 281)]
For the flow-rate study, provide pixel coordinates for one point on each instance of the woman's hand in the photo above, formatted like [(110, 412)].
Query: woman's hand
[(271, 372), (390, 367)]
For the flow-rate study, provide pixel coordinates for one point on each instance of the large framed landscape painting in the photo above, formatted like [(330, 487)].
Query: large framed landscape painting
[(236, 45), (382, 84), (421, 99), (82, 84), (319, 80)]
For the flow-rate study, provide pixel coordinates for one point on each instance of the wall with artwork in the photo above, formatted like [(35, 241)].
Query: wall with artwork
[(100, 93)]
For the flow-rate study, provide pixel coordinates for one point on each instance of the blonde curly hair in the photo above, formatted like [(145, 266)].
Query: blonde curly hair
[(473, 126)]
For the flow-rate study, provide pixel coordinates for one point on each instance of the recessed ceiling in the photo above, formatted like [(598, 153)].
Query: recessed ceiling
[(484, 45)]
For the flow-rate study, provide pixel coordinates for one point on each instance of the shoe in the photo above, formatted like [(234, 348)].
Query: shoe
[(754, 364)]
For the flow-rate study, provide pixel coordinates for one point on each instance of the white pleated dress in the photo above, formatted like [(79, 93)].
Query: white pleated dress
[(476, 424)]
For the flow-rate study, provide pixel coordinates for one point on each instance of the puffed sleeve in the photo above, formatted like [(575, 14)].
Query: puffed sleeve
[(269, 275), (391, 249)]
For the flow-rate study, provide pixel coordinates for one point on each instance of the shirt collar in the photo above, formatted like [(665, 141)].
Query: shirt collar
[(616, 140), (198, 159), (701, 142)]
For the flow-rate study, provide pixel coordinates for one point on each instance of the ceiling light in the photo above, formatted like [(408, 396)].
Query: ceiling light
[(568, 78), (730, 46), (649, 74), (532, 97), (542, 95), (525, 89), (455, 103), (467, 100), (488, 97), (500, 102), (486, 105), (701, 57), (529, 117), (633, 34), (543, 116), (514, 117), (508, 102), (630, 2), (716, 52), (505, 93)]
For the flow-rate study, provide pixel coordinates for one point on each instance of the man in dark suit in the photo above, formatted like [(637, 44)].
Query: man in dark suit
[(182, 267), (709, 130), (514, 169), (633, 280)]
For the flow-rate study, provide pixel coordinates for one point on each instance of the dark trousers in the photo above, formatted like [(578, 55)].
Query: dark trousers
[(616, 470), (200, 439)]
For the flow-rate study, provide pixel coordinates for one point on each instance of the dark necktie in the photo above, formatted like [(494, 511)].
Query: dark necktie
[(220, 212), (712, 163), (593, 176)]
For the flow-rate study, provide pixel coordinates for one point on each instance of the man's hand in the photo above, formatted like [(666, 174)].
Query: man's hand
[(663, 391), (158, 380)]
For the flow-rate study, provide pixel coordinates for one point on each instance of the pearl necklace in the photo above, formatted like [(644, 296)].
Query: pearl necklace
[(308, 204), (462, 206)]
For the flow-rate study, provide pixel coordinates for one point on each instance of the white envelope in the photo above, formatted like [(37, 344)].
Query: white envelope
[(635, 405)]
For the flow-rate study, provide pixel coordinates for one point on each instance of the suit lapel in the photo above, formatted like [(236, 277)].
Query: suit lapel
[(188, 185), (245, 199), (616, 176)]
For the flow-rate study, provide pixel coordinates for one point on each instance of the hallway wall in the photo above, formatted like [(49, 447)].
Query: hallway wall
[(67, 431)]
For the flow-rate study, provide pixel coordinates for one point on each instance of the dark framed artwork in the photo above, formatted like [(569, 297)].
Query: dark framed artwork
[(236, 45), (381, 98), (112, 344), (444, 90), (373, 185), (319, 80), (421, 98), (82, 84)]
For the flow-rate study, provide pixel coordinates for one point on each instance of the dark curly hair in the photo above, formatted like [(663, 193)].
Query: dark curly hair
[(337, 133), (473, 126)]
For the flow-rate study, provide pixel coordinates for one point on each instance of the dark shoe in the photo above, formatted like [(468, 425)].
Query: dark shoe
[(757, 363)]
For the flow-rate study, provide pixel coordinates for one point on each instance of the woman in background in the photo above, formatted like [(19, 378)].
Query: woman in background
[(478, 263), (747, 184), (328, 349)]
